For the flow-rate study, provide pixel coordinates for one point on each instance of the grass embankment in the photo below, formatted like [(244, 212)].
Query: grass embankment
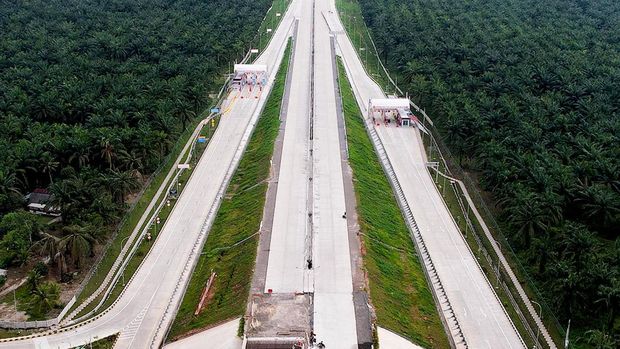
[(238, 219), (104, 343), (398, 288)]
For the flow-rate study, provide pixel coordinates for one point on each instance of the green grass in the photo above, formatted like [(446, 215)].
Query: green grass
[(238, 218), (24, 303), (104, 343), (398, 287), (4, 333)]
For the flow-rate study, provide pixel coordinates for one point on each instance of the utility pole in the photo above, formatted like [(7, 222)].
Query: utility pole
[(15, 302), (566, 341)]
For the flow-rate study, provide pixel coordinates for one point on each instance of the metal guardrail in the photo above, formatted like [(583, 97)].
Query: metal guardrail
[(441, 299)]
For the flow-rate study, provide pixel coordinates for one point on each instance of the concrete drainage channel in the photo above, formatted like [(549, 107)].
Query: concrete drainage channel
[(274, 343)]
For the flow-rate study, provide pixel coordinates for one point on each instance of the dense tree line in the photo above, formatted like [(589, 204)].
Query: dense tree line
[(527, 94), (93, 95)]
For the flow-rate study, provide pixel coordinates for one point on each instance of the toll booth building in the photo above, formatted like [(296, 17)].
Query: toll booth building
[(249, 75), (390, 111)]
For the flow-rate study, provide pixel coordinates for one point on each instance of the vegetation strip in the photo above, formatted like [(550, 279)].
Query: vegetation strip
[(230, 248), (398, 290)]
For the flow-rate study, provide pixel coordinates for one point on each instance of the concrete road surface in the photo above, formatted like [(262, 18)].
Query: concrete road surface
[(145, 309), (334, 313), (311, 191), (290, 235), (484, 322), (390, 340), (223, 336)]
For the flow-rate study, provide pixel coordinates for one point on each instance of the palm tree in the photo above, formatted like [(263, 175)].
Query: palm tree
[(78, 242), (63, 197), (541, 250), (107, 151), (131, 161), (600, 204), (45, 296), (120, 184), (8, 183), (34, 279), (49, 246), (49, 164), (81, 156), (601, 340), (526, 215), (567, 287), (578, 243), (610, 296)]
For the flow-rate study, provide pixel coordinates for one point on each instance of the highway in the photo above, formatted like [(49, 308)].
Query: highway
[(482, 318), (308, 218), (146, 307), (310, 202), (289, 249), (334, 313)]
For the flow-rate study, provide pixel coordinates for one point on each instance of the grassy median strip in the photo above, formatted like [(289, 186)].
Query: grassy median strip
[(237, 220), (398, 288)]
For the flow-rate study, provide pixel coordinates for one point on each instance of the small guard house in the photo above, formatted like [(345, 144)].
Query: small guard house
[(391, 111)]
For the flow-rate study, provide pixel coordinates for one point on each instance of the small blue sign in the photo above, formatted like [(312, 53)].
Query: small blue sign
[(202, 140), (215, 110)]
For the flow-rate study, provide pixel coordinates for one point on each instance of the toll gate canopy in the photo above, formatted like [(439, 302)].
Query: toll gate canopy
[(249, 75), (391, 110)]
